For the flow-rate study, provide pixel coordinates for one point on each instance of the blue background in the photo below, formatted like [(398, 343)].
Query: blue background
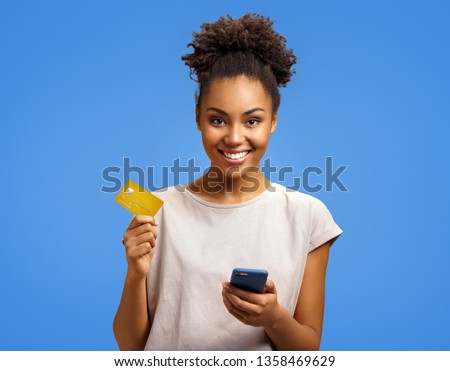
[(84, 84)]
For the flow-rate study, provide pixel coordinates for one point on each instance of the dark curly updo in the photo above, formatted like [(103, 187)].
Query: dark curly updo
[(247, 45)]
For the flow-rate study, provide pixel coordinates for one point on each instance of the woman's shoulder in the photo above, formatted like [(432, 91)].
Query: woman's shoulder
[(169, 193), (307, 207), (294, 196)]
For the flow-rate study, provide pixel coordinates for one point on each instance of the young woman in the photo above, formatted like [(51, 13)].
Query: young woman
[(176, 294)]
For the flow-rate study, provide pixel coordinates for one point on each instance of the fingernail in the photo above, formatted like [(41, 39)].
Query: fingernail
[(156, 223)]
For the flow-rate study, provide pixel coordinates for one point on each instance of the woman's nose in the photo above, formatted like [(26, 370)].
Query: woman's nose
[(234, 136)]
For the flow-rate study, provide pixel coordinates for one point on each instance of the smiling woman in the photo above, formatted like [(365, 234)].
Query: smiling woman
[(235, 137), (176, 294)]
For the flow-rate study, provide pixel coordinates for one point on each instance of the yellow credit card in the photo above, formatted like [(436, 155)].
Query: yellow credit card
[(138, 200)]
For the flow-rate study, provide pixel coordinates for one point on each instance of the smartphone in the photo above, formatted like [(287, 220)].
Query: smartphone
[(253, 280)]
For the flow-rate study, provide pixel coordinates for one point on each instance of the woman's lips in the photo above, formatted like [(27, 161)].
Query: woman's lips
[(239, 157)]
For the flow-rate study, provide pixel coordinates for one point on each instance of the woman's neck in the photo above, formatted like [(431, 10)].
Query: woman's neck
[(229, 190)]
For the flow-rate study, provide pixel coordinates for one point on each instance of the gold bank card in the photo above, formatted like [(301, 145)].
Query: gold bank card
[(138, 200)]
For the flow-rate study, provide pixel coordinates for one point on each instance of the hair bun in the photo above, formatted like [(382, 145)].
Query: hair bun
[(250, 33)]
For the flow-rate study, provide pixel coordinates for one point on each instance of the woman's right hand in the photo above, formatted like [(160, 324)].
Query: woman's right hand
[(139, 241)]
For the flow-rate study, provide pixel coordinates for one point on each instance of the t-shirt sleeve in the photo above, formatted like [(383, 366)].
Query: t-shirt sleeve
[(323, 226)]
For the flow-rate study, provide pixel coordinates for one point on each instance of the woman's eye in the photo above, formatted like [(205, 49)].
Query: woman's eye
[(217, 121), (253, 122)]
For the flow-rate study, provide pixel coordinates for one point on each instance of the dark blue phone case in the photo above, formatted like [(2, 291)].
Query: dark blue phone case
[(248, 279)]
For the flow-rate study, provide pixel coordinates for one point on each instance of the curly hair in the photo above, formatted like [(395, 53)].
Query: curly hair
[(247, 45)]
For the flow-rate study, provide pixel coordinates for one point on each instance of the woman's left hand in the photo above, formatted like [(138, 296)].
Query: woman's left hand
[(258, 310)]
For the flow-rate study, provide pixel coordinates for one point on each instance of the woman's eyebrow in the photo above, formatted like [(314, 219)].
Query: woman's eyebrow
[(218, 110)]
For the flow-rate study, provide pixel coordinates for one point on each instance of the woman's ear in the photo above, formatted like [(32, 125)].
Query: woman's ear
[(274, 123), (197, 116)]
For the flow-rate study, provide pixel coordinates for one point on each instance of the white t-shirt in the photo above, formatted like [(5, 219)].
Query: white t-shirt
[(198, 245)]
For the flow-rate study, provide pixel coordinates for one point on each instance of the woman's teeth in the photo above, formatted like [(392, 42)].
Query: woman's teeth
[(235, 156)]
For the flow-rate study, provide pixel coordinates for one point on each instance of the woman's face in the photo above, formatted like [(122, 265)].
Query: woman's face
[(235, 119)]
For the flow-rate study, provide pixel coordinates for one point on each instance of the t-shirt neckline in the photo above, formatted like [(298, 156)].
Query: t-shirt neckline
[(230, 206)]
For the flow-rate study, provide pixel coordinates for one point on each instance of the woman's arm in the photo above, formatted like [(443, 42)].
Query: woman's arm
[(304, 330), (131, 324), (301, 332)]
